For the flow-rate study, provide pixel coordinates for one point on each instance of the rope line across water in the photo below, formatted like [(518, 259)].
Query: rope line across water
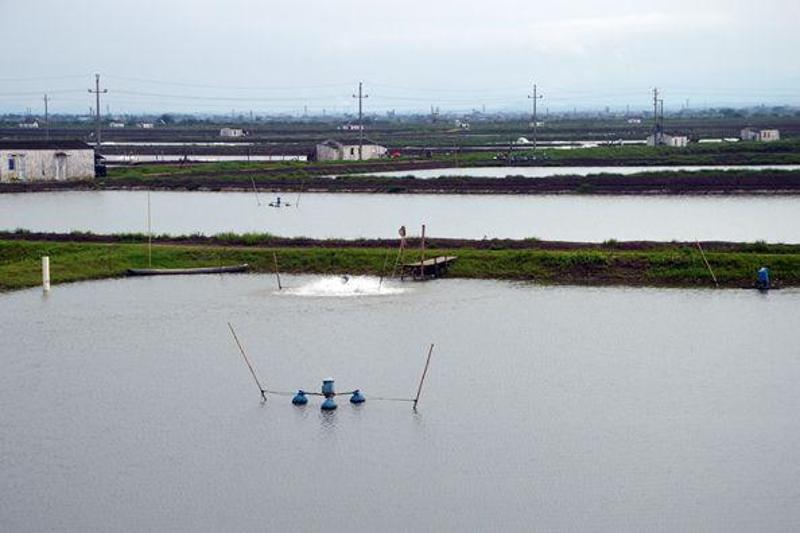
[(378, 398)]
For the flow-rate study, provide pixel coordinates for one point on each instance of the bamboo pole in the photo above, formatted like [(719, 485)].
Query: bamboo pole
[(422, 255), (399, 256), (422, 379), (261, 389), (255, 191), (703, 254), (277, 273), (383, 270), (299, 192)]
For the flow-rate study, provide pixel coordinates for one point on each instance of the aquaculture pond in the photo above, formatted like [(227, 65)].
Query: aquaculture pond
[(574, 218), (126, 406), (545, 172)]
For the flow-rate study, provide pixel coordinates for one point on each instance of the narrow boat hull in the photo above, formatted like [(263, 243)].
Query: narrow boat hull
[(187, 271)]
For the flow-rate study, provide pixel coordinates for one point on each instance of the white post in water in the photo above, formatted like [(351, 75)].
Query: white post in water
[(149, 235), (46, 273)]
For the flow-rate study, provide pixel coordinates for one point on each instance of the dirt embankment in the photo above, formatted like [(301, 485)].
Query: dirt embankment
[(764, 182), (430, 243), (319, 178)]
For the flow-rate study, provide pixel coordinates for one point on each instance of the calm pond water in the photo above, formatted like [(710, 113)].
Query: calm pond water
[(126, 407), (575, 218), (544, 172)]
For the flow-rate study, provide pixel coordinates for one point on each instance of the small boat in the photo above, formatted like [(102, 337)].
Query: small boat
[(186, 271)]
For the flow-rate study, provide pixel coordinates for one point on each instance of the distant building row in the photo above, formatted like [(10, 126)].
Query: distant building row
[(678, 140)]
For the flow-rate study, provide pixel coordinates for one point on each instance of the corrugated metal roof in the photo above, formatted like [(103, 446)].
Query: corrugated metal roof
[(44, 145)]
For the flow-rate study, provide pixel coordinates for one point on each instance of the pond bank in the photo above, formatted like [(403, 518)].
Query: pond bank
[(76, 258), (703, 182)]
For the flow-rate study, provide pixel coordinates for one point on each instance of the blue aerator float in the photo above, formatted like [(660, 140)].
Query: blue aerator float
[(300, 398), (328, 391), (357, 397)]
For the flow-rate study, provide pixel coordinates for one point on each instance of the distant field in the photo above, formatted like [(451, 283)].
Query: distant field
[(299, 136)]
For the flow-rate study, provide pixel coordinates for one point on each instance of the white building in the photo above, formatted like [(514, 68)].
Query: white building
[(634, 121), (116, 124), (462, 124), (667, 139), (335, 150), (28, 125), (231, 132), (145, 125), (351, 127), (755, 134), (45, 160)]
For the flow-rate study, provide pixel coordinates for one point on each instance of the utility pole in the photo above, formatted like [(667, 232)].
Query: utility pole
[(534, 97), (655, 116), (97, 93), (46, 121), (360, 97)]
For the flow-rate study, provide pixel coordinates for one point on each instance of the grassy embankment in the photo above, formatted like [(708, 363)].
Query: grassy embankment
[(666, 265)]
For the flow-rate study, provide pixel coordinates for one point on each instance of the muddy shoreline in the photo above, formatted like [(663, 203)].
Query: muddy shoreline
[(765, 182), (265, 240)]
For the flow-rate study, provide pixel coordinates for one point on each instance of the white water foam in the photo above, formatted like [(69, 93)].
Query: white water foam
[(346, 286)]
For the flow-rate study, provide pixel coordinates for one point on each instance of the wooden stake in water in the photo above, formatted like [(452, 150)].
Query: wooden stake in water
[(149, 234), (255, 191), (277, 272), (422, 379), (261, 389), (46, 273), (402, 233), (422, 255), (703, 254), (383, 270), (299, 192)]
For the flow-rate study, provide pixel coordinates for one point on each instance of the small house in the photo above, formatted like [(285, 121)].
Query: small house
[(231, 132), (348, 151), (46, 160), (145, 125), (667, 139), (759, 135)]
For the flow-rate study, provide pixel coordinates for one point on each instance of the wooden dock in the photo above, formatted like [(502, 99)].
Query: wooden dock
[(434, 267)]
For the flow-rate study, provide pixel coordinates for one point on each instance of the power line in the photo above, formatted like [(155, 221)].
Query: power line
[(229, 87)]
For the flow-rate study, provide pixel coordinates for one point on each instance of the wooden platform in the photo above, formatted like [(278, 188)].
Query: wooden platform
[(434, 267)]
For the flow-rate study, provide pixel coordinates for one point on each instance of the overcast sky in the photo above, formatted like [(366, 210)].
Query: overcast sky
[(276, 55)]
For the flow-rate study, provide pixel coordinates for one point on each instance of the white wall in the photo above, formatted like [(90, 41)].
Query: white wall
[(39, 165), (349, 152)]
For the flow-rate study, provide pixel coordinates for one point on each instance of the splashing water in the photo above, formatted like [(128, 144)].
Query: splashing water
[(345, 286)]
